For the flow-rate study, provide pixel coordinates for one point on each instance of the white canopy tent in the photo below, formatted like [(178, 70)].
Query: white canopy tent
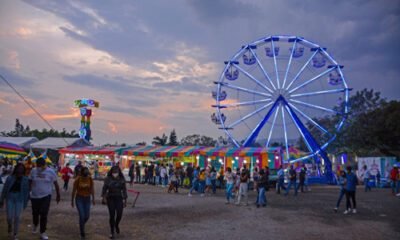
[(57, 143), (24, 142)]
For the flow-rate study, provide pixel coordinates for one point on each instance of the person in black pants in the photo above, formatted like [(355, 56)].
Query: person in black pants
[(114, 194)]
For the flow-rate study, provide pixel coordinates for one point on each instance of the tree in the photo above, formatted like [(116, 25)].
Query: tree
[(197, 140), (141, 143), (173, 139), (161, 141), (371, 127), (21, 131)]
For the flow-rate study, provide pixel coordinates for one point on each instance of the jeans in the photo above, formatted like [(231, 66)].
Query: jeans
[(83, 206), (301, 186), (214, 186), (14, 209), (202, 186), (40, 208), (394, 187), (289, 185), (138, 178), (341, 194), (115, 208), (261, 198), (228, 192), (281, 185), (194, 185), (367, 187), (157, 180), (352, 195), (243, 189)]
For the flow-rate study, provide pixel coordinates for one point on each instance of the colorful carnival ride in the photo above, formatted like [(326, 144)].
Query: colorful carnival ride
[(277, 91), (85, 106)]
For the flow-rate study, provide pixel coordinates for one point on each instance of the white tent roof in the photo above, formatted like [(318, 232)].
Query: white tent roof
[(24, 142), (57, 143)]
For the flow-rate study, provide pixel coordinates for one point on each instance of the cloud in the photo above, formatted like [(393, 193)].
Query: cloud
[(126, 110), (112, 127), (14, 78), (185, 84)]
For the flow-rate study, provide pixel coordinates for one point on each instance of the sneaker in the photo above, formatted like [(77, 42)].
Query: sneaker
[(15, 237), (201, 195), (335, 209), (354, 210), (44, 236), (189, 194), (112, 236), (226, 202), (258, 205), (34, 229), (346, 212)]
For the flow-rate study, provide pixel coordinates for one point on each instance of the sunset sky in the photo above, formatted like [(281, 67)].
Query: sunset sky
[(151, 64)]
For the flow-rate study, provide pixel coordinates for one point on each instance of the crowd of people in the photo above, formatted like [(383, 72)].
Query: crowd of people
[(35, 182)]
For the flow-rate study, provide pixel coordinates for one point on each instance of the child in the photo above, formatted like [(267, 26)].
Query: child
[(174, 183)]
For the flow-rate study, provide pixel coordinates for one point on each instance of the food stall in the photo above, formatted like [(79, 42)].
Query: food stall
[(105, 157)]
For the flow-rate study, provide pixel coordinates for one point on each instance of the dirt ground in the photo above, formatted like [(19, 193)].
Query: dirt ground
[(159, 215)]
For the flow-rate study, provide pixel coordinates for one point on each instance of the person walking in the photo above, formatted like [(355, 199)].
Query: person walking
[(281, 180), (131, 174), (66, 174), (16, 195), (208, 181), (262, 184), (244, 186), (366, 175), (202, 182), (394, 175), (189, 173), (342, 183), (213, 177), (174, 183), (256, 176), (351, 185), (163, 175), (77, 169), (302, 179), (81, 192), (230, 182), (195, 182), (138, 178), (378, 179), (114, 194), (96, 169), (42, 179), (292, 181)]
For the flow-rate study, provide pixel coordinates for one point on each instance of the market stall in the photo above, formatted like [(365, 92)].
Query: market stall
[(104, 156)]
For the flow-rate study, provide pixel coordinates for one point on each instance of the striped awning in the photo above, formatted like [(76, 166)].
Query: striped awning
[(7, 148), (186, 151)]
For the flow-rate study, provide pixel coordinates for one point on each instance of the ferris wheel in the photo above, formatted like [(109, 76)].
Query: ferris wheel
[(280, 91)]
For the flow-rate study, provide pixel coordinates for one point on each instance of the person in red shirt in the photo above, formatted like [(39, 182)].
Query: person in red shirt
[(67, 173), (394, 176)]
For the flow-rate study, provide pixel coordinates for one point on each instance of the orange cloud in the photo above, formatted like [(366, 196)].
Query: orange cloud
[(23, 32), (112, 127)]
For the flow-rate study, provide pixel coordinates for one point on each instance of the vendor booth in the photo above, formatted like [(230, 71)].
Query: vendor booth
[(88, 155)]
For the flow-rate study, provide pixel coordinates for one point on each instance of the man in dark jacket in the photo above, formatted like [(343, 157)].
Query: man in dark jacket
[(292, 181)]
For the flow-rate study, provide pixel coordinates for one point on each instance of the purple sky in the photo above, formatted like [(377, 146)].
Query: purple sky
[(151, 64)]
